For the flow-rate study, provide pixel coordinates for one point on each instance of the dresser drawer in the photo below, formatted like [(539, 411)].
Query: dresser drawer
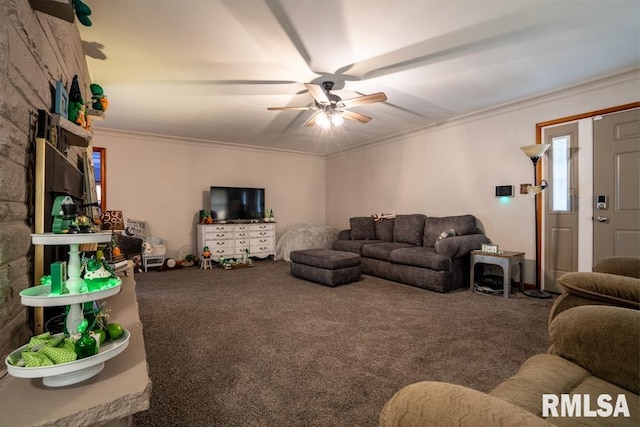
[(262, 227), (222, 252), (218, 235), (241, 234), (260, 234), (242, 244), (218, 228), (266, 244), (242, 227), (219, 244)]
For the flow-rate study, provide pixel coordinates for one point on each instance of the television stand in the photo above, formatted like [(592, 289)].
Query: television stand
[(232, 239)]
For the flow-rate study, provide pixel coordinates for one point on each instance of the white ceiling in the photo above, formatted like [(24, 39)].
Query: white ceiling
[(208, 69)]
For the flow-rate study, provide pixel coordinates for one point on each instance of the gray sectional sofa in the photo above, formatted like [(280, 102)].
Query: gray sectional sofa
[(427, 252)]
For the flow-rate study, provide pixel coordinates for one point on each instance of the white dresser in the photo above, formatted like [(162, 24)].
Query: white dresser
[(231, 240)]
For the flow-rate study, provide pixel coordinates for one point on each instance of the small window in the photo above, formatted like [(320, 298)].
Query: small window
[(561, 173), (99, 170)]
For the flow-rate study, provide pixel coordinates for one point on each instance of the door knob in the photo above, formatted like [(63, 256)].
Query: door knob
[(602, 219)]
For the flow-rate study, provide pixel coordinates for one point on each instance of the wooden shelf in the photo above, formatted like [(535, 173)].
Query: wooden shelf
[(95, 114), (61, 9), (75, 134)]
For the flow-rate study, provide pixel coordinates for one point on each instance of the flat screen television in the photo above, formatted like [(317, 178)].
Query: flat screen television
[(237, 203)]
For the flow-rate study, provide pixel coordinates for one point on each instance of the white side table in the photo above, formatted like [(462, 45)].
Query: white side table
[(504, 259), (152, 261)]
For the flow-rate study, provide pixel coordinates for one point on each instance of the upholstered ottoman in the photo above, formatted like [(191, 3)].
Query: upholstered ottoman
[(326, 266)]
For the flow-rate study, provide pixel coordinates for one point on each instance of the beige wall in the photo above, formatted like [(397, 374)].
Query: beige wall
[(445, 170), (166, 181), (453, 169)]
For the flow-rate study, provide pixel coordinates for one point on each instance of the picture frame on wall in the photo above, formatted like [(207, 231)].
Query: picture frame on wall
[(61, 106)]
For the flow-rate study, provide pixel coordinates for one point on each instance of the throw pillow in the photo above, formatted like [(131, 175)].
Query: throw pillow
[(409, 229), (134, 228), (446, 233), (362, 228), (384, 229), (112, 220)]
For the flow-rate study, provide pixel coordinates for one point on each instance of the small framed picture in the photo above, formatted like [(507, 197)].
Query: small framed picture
[(61, 106), (491, 249)]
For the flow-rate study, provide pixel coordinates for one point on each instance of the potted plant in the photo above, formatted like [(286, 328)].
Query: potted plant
[(189, 260)]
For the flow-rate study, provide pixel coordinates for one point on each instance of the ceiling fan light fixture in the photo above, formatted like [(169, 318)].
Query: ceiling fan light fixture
[(331, 109), (336, 119), (323, 120)]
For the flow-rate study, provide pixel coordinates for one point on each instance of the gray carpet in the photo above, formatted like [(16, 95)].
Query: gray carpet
[(258, 347)]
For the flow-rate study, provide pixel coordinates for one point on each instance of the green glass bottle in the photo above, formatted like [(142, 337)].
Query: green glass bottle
[(86, 346)]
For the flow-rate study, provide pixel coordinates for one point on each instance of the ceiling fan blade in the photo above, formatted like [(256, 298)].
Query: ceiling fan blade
[(291, 108), (318, 93), (312, 120), (351, 115), (365, 99)]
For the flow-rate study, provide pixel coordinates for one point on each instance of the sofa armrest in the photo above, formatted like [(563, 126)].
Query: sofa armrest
[(441, 404), (457, 246), (344, 234), (601, 339), (587, 288)]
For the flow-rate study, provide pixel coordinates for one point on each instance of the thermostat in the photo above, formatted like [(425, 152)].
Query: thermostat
[(504, 190)]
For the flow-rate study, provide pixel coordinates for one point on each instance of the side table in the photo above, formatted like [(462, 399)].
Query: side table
[(152, 261), (504, 259)]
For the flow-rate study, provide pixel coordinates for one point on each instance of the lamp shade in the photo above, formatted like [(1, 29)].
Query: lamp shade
[(535, 150)]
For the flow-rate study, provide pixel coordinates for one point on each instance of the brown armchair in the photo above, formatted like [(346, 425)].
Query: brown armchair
[(594, 328), (614, 281)]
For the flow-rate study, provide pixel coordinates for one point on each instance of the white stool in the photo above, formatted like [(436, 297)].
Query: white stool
[(205, 263), (152, 261)]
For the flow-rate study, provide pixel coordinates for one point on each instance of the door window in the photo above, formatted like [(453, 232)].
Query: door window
[(561, 173)]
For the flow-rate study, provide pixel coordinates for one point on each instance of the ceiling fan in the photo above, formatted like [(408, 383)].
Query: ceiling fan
[(331, 109)]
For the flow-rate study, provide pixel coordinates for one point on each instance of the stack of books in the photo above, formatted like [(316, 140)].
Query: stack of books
[(117, 261)]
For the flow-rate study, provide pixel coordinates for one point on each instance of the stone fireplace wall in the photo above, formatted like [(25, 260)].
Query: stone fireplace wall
[(36, 50)]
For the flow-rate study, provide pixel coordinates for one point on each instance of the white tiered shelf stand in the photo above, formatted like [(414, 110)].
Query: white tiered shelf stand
[(40, 296)]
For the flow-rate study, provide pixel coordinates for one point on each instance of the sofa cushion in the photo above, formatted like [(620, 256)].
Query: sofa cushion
[(325, 258), (419, 256), (382, 251), (409, 229), (384, 229), (462, 224), (354, 246), (362, 228)]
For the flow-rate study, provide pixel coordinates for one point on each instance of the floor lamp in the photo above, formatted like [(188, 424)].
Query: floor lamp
[(534, 152)]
